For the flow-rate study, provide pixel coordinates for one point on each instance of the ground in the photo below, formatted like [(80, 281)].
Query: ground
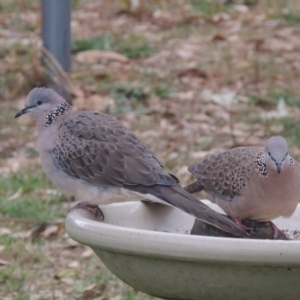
[(187, 76)]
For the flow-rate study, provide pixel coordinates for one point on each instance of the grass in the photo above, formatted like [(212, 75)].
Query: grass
[(132, 45), (138, 51), (38, 266), (291, 129), (34, 266), (289, 18), (289, 97), (8, 6), (208, 7), (102, 42), (28, 258), (16, 77), (128, 98), (162, 90), (271, 99), (31, 201)]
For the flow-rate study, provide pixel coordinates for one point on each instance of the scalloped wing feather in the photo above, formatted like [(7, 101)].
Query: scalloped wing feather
[(226, 174), (98, 149)]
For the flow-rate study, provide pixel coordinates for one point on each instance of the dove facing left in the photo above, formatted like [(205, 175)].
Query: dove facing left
[(95, 158)]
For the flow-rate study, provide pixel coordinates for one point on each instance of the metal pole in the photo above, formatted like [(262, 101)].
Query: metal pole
[(56, 35)]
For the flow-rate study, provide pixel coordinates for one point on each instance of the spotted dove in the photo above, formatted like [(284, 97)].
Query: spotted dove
[(258, 183), (95, 158)]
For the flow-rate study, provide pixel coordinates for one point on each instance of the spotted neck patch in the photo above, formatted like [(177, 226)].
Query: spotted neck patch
[(260, 164), (292, 163), (56, 112)]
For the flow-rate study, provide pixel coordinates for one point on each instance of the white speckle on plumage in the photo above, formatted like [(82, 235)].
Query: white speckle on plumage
[(56, 112)]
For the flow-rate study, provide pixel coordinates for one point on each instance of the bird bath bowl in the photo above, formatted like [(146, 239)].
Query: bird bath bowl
[(148, 246)]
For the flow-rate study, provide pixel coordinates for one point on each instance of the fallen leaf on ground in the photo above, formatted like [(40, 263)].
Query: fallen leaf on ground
[(96, 56), (16, 195), (87, 253), (52, 230), (74, 264), (4, 231), (4, 262), (67, 280)]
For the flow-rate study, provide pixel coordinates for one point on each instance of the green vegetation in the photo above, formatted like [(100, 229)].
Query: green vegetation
[(157, 94), (162, 90), (208, 7), (137, 51), (129, 98), (132, 45), (291, 18), (291, 129), (102, 42), (31, 196)]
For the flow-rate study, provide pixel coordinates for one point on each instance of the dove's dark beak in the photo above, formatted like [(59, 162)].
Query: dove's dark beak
[(23, 112), (278, 166)]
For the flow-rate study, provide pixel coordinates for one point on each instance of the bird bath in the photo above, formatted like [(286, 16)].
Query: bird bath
[(148, 246)]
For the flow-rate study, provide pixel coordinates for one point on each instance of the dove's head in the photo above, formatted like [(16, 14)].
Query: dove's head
[(40, 101), (276, 152)]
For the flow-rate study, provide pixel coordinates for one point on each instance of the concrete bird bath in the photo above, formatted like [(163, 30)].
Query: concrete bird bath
[(148, 246)]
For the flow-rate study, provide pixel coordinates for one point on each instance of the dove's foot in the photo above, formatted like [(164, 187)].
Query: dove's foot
[(277, 231), (93, 208), (238, 221)]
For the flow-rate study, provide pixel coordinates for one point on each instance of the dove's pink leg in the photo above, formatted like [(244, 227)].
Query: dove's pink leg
[(93, 208), (238, 221), (276, 229)]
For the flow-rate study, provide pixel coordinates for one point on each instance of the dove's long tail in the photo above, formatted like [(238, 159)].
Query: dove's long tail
[(180, 198), (194, 187)]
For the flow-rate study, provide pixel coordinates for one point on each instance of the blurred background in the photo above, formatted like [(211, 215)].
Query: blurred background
[(187, 76)]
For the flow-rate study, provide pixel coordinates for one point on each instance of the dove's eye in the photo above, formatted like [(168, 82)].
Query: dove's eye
[(39, 102)]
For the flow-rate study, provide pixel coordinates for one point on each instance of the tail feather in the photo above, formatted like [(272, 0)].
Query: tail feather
[(180, 198), (194, 187)]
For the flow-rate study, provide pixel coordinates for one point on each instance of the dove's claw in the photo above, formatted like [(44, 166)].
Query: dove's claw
[(93, 208)]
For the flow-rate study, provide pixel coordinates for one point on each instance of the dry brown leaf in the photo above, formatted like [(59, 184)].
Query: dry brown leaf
[(67, 280), (285, 32), (276, 45), (4, 231), (14, 164), (74, 264), (48, 294), (199, 155), (4, 262), (22, 234), (87, 253), (97, 56), (185, 53), (65, 273), (241, 9), (31, 18), (221, 17), (94, 102), (90, 287), (36, 233), (219, 37), (71, 243), (193, 72), (53, 230), (16, 195)]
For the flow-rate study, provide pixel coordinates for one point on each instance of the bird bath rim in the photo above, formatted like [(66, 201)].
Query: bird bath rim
[(82, 227)]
